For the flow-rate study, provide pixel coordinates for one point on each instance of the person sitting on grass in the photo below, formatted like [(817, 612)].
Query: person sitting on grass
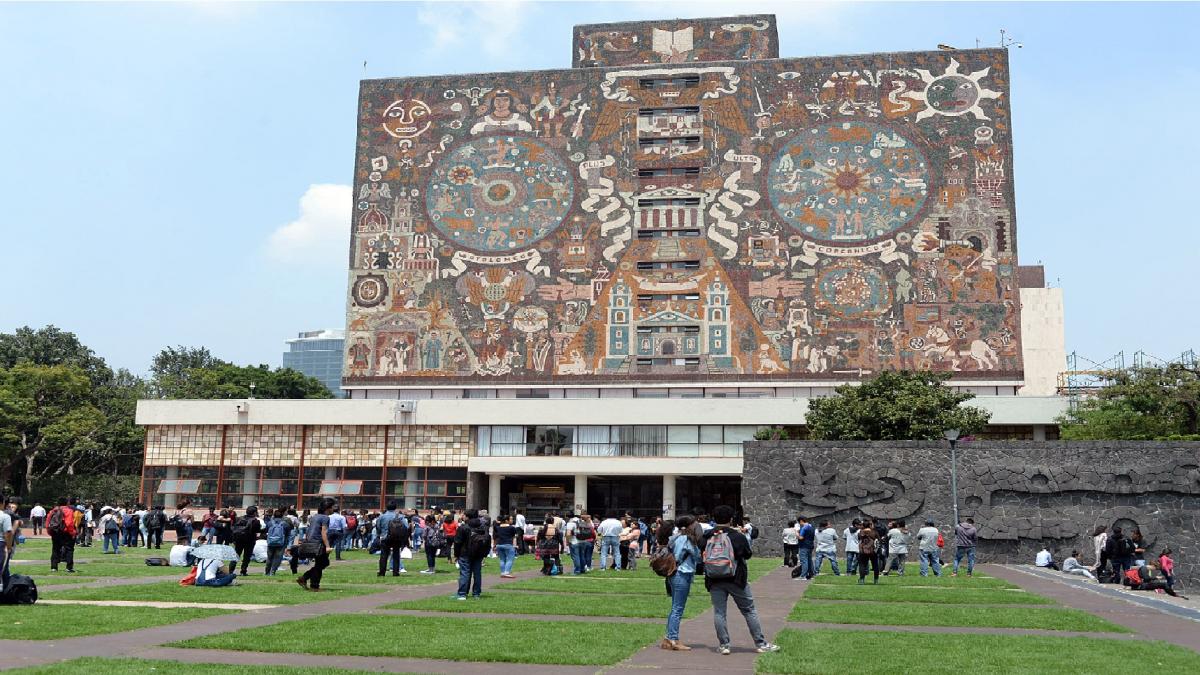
[(1045, 559), (1072, 566), (213, 573)]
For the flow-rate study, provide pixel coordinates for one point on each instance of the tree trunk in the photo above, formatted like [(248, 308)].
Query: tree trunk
[(29, 458)]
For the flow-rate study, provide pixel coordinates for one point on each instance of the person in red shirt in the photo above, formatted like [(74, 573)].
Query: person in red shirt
[(450, 529), (60, 523)]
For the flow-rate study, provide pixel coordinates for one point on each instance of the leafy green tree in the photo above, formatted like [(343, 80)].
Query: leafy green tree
[(894, 406), (230, 381), (172, 368), (1152, 403), (51, 346)]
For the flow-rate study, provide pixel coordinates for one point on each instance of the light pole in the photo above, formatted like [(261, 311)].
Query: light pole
[(952, 436)]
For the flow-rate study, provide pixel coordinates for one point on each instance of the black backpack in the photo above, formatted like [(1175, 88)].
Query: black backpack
[(241, 529), (56, 523), (397, 531), (154, 520), (584, 532), (479, 544), (1125, 547), (21, 591)]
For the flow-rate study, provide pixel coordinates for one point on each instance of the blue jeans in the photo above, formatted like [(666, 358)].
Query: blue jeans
[(806, 562), (969, 553), (336, 539), (681, 586), (113, 537), (469, 570), (822, 556), (219, 580), (929, 558), (507, 554), (589, 549), (578, 551), (611, 546), (851, 562)]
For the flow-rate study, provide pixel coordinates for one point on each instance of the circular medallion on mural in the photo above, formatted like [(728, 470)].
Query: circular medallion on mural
[(369, 290), (499, 193), (852, 290), (849, 182)]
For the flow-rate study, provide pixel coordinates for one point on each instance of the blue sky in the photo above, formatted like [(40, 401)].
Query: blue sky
[(178, 173)]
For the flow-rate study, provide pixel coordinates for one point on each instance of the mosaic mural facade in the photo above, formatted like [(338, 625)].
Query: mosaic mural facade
[(751, 219)]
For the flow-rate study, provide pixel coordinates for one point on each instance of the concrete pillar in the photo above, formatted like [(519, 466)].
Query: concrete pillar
[(331, 473), (581, 487), (410, 477), (668, 498), (170, 500), (249, 484), (1039, 432), (493, 501)]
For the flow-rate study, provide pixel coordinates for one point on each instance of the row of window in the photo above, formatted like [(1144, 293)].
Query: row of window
[(665, 234), (614, 441), (648, 265)]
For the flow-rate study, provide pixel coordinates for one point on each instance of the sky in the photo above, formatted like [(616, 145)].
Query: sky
[(179, 173)]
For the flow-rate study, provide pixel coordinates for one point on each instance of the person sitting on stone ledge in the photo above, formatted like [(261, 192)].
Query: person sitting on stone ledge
[(1045, 559), (1072, 566), (1147, 578)]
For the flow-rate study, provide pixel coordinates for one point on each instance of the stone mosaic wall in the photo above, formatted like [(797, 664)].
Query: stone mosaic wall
[(1022, 494), (679, 41), (691, 220)]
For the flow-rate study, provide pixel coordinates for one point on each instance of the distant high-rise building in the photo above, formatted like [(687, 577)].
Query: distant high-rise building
[(318, 353)]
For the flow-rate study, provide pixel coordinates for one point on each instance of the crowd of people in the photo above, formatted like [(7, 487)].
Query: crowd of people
[(1120, 558)]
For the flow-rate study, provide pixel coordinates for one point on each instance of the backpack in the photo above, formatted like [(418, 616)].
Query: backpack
[(351, 522), (663, 562), (866, 547), (434, 537), (478, 543), (21, 591), (719, 560), (1132, 576), (241, 529), (128, 521), (277, 532), (584, 531), (154, 520), (753, 533), (941, 541), (1125, 547), (111, 525), (397, 531), (157, 562), (55, 524)]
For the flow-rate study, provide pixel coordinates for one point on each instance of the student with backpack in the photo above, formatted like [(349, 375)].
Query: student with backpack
[(725, 554), (279, 535), (245, 532), (472, 543), (316, 546), (1120, 551), (392, 533), (129, 525), (155, 521), (549, 545), (435, 540), (110, 528), (60, 525), (680, 569)]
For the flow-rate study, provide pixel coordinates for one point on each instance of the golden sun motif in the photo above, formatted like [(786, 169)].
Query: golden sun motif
[(847, 180)]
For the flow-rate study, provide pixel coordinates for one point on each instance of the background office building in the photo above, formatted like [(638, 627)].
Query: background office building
[(585, 288), (318, 354)]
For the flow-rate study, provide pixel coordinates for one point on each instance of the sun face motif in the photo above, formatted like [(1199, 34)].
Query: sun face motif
[(847, 180), (953, 94)]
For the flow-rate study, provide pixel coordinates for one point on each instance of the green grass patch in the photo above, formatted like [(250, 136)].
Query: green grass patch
[(253, 593), (641, 606), (496, 640), (943, 595), (344, 573), (816, 652), (55, 622), (103, 569), (917, 614), (100, 666), (912, 578), (594, 582)]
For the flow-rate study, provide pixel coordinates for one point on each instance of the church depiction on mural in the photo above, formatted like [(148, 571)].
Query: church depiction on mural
[(683, 205)]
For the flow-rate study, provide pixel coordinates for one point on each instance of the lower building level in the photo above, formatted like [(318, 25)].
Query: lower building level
[(644, 456)]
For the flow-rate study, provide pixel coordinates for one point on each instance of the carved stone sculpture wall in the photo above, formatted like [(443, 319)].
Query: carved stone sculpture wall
[(1022, 494)]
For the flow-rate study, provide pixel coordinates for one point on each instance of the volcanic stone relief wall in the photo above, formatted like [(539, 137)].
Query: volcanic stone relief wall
[(775, 220), (1022, 494), (679, 41)]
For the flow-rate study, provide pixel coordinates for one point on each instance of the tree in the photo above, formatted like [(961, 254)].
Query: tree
[(230, 381), (894, 406), (173, 366), (1152, 403), (51, 346)]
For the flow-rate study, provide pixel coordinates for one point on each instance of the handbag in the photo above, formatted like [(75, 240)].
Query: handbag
[(406, 553), (309, 550), (190, 579)]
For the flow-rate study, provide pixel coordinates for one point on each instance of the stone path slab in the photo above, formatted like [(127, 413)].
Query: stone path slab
[(812, 625)]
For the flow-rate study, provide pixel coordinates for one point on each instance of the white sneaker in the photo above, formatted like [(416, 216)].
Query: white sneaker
[(403, 571), (723, 650), (427, 572), (767, 648)]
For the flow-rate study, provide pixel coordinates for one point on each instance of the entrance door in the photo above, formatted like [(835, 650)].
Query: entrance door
[(613, 496)]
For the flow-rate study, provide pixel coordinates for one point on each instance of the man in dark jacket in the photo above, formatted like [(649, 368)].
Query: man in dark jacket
[(471, 545), (392, 543), (246, 531), (736, 587)]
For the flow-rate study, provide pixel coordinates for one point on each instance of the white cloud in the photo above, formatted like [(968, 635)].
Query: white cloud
[(493, 26), (321, 233)]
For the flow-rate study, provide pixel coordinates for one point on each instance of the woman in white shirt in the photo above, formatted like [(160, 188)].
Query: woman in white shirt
[(791, 545), (1099, 540)]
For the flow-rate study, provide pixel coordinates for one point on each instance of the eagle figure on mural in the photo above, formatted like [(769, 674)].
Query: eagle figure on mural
[(495, 290), (723, 110)]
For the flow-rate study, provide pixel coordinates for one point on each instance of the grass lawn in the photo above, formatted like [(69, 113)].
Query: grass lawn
[(344, 573), (836, 652), (99, 666), (104, 569), (930, 594), (903, 614), (254, 593), (53, 622), (913, 578), (595, 582), (500, 640), (643, 606)]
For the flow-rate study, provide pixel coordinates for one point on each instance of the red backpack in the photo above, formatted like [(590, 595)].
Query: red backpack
[(351, 522)]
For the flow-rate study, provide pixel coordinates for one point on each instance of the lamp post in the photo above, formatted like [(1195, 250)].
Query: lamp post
[(952, 436)]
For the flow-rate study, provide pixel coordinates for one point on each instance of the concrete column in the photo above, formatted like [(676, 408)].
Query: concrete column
[(668, 498), (170, 500), (581, 487), (410, 476), (1039, 432), (493, 502), (249, 484), (331, 473)]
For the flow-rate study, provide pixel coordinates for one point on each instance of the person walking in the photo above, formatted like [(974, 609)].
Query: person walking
[(337, 532), (279, 535), (245, 533), (60, 525), (435, 540), (549, 544), (110, 528), (868, 557), (609, 532), (850, 534), (471, 545), (507, 536), (964, 545), (928, 549), (791, 544), (519, 523), (897, 548), (685, 547), (806, 540), (393, 534), (38, 517), (156, 520), (725, 576), (826, 539), (318, 541)]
